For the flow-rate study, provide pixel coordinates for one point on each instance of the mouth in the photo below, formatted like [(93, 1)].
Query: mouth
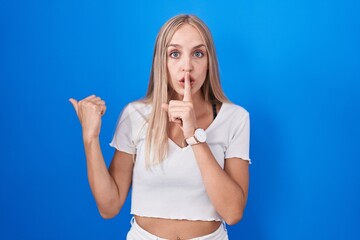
[(182, 81)]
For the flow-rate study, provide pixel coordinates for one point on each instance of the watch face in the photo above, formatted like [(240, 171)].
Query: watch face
[(200, 135)]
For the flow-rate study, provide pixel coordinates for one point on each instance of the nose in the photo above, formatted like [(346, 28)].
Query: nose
[(187, 64)]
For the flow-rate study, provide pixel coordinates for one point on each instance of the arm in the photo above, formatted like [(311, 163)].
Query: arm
[(109, 187), (228, 188)]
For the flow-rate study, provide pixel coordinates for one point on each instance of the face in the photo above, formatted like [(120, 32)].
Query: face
[(186, 52)]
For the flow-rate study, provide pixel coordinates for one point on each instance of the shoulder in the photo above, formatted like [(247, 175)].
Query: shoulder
[(136, 108), (137, 111), (232, 110)]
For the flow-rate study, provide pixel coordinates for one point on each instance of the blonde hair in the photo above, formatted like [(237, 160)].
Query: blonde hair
[(158, 90)]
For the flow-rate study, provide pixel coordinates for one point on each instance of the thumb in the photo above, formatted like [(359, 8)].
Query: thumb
[(165, 107), (75, 104)]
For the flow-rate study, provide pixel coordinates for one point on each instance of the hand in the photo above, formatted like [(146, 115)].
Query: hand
[(182, 112), (89, 111)]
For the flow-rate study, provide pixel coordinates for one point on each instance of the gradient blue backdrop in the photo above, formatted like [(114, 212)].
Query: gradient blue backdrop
[(293, 64)]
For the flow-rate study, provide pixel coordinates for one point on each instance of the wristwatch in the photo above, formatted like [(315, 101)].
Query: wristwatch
[(199, 137)]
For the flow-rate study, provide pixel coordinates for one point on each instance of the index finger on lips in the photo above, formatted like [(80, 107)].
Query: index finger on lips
[(187, 88)]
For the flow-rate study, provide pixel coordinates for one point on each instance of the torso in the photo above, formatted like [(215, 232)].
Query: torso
[(181, 229), (179, 203)]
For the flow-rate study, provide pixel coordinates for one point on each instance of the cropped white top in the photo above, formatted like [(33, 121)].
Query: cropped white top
[(174, 189)]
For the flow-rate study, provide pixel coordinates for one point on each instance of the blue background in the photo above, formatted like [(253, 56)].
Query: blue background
[(294, 65)]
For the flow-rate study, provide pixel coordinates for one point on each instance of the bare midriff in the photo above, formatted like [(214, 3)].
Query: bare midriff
[(177, 229)]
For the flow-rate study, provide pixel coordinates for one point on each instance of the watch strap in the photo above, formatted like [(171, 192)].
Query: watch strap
[(191, 140)]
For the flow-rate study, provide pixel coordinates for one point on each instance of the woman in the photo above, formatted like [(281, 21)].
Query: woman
[(182, 148)]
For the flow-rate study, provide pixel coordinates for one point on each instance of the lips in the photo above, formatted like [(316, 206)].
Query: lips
[(182, 81)]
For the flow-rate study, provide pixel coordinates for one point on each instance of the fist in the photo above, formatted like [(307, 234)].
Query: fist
[(89, 111)]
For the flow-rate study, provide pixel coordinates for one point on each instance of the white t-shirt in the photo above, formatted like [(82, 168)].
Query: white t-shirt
[(174, 189)]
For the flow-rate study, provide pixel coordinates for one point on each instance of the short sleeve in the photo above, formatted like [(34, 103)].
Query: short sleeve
[(239, 139), (122, 139)]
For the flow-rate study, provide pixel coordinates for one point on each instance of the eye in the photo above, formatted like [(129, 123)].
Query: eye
[(175, 54), (198, 54)]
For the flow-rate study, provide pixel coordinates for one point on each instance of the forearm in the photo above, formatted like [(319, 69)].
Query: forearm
[(102, 184), (227, 196)]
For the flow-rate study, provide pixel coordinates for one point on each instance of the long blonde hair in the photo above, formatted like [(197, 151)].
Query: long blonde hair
[(156, 145)]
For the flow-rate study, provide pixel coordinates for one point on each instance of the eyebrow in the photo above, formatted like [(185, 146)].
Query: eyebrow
[(179, 46)]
